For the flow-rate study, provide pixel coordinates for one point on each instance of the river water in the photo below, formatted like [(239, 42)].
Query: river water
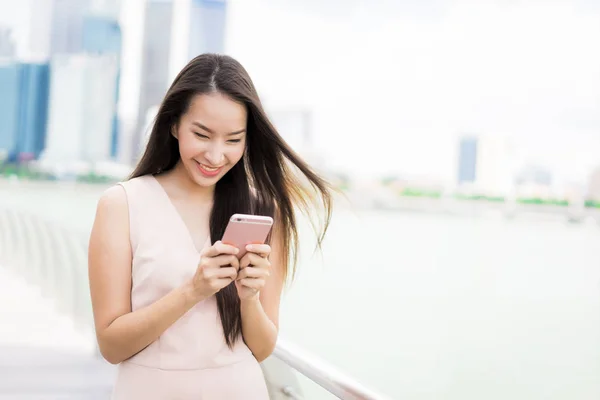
[(423, 306)]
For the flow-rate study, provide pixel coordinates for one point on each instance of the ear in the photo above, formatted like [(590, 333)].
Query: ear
[(174, 131)]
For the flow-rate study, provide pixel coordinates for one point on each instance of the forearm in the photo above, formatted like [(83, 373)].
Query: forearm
[(260, 333), (130, 333)]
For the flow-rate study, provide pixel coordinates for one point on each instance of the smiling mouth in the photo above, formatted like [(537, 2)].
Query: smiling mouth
[(207, 170)]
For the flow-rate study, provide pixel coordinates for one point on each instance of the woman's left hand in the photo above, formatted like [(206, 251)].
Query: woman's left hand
[(254, 271)]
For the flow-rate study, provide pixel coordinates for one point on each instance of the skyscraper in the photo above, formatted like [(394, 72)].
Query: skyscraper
[(207, 27), (66, 32), (34, 92), (82, 108), (40, 27), (7, 46), (467, 160), (56, 27), (23, 109), (534, 174), (593, 192), (9, 109), (495, 167), (173, 33), (107, 8), (102, 35), (155, 62), (199, 27)]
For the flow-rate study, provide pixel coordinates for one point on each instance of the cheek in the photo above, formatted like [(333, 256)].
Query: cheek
[(236, 154), (188, 146)]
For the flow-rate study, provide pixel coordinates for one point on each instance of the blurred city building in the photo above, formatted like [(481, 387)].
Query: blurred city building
[(39, 36), (55, 93), (102, 35), (485, 165), (467, 160), (154, 68), (7, 45), (198, 27), (593, 192), (82, 108), (67, 26), (77, 38), (174, 32), (534, 182), (207, 20), (9, 109), (23, 109)]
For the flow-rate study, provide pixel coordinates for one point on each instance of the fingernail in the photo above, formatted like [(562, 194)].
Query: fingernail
[(249, 247), (236, 250)]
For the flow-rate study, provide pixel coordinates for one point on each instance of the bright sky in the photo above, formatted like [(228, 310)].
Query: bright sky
[(393, 85)]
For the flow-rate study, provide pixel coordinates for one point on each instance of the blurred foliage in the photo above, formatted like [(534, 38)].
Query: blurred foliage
[(94, 178), (387, 181), (478, 197), (413, 192), (421, 193), (592, 204), (23, 171), (26, 172), (536, 201)]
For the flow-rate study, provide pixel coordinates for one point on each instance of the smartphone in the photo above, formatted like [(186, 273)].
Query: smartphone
[(244, 229)]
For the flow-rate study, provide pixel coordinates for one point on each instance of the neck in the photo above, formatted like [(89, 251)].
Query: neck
[(185, 184)]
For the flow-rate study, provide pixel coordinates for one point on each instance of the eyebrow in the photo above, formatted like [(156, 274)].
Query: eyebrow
[(199, 125)]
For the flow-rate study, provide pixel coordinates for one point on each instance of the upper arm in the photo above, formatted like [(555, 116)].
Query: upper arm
[(109, 259), (270, 295)]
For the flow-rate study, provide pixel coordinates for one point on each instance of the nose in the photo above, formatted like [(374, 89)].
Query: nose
[(214, 155)]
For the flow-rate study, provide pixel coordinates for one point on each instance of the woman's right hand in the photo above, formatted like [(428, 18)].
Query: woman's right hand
[(218, 267)]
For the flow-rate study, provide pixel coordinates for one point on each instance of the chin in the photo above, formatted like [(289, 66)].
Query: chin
[(204, 182)]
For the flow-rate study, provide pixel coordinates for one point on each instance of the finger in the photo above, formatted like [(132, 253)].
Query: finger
[(245, 261), (219, 273), (257, 261), (219, 248), (262, 250), (226, 248), (223, 260), (253, 283), (252, 272), (226, 272), (254, 260)]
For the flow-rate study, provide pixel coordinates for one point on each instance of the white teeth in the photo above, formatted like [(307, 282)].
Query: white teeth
[(208, 168)]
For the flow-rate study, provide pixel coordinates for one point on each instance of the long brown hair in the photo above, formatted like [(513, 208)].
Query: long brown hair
[(269, 179)]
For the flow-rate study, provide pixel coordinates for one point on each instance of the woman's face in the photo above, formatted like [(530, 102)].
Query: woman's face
[(212, 137)]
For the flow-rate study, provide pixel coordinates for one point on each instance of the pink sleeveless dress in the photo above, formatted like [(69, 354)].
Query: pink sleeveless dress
[(190, 360)]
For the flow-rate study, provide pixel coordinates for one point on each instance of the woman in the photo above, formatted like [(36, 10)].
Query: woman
[(173, 306)]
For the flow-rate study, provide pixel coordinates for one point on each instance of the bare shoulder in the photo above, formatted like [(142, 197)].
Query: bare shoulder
[(113, 198), (112, 213), (112, 203), (110, 232)]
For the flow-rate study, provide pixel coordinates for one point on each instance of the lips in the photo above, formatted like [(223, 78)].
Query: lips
[(207, 170)]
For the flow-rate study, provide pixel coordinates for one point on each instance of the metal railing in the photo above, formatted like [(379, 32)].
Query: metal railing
[(55, 259), (322, 373)]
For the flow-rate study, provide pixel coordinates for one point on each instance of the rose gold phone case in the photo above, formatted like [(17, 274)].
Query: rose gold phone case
[(245, 229)]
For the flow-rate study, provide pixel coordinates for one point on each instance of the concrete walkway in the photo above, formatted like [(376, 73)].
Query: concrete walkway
[(42, 355)]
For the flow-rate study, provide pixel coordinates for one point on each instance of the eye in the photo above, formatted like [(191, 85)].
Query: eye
[(234, 140), (201, 135)]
